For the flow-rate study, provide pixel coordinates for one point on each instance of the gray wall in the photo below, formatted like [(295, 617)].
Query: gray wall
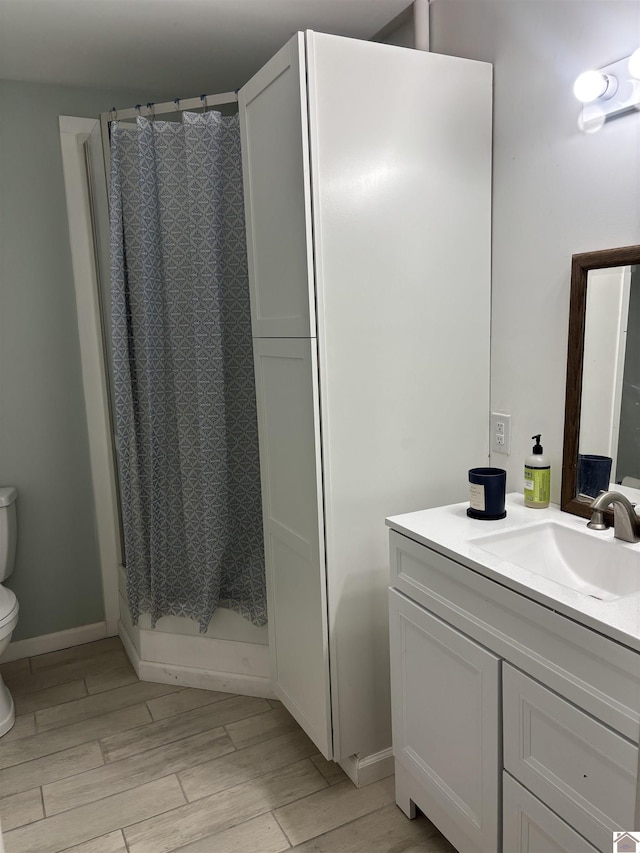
[(556, 190), (43, 432)]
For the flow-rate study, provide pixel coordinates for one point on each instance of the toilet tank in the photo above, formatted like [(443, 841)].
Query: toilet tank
[(8, 530)]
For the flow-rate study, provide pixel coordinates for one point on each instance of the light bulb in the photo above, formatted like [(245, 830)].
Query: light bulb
[(634, 63), (590, 86)]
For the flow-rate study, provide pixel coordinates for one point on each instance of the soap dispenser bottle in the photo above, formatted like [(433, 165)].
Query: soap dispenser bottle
[(537, 477)]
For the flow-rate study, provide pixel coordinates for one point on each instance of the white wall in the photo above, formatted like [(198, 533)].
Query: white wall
[(557, 191)]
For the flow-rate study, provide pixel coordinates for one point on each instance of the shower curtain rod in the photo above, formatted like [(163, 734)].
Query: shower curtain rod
[(152, 110)]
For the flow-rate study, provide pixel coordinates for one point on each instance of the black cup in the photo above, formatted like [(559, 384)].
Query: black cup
[(594, 474), (487, 488)]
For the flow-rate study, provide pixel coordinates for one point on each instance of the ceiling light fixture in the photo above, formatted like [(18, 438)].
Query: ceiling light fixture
[(609, 91)]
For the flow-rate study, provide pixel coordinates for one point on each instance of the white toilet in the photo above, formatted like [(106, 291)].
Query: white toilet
[(8, 600)]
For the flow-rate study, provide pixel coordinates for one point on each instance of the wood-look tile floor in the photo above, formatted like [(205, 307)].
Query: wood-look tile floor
[(100, 762)]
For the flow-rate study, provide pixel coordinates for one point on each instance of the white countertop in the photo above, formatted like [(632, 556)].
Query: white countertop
[(448, 530)]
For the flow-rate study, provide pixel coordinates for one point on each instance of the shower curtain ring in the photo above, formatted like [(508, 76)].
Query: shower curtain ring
[(113, 114), (203, 98), (152, 111), (176, 101)]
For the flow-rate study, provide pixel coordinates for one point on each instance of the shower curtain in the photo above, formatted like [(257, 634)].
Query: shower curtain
[(185, 410)]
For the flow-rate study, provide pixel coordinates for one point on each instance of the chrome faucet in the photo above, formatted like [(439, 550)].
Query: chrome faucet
[(626, 524)]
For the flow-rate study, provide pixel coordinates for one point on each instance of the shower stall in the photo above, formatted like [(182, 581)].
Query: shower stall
[(178, 398)]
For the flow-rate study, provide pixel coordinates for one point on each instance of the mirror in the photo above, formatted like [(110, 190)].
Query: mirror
[(602, 410)]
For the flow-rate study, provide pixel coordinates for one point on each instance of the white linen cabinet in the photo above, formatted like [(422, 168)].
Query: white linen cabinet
[(367, 173)]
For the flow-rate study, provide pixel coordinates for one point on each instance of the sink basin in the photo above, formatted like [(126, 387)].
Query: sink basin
[(599, 568)]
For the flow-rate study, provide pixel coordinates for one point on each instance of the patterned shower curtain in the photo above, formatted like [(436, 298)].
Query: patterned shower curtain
[(185, 408)]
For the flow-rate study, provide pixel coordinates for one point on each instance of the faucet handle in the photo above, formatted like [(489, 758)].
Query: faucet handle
[(598, 520)]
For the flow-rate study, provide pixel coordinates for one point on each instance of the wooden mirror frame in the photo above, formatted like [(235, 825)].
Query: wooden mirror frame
[(580, 266)]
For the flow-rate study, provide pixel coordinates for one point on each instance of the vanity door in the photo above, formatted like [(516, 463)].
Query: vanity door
[(446, 725)]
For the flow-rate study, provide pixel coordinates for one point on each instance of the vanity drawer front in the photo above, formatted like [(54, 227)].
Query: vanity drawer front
[(588, 669), (568, 759), (530, 827)]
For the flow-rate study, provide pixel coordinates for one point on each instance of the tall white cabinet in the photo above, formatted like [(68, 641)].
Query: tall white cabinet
[(367, 174)]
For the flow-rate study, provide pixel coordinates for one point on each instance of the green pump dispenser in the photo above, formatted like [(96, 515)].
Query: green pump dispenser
[(537, 477)]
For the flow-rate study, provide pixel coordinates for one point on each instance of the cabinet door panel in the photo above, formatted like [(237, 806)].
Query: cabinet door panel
[(288, 427), (275, 162), (584, 771), (446, 701), (530, 827)]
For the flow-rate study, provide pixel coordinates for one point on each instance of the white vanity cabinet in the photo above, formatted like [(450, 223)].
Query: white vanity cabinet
[(515, 728), (367, 172)]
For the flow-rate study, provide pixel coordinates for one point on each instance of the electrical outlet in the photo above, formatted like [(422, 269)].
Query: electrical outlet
[(500, 433)]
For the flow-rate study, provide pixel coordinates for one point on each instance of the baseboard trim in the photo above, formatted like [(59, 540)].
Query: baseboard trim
[(191, 676), (54, 642), (370, 769)]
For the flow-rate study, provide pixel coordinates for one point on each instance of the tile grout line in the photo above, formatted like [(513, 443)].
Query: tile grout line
[(142, 725), (282, 829), (117, 793), (105, 763), (163, 719), (160, 814), (234, 823), (50, 755), (184, 793), (253, 780), (228, 696), (95, 838), (110, 762), (121, 829), (177, 693), (212, 836), (105, 759), (178, 773), (72, 746), (340, 826), (57, 704), (93, 696)]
